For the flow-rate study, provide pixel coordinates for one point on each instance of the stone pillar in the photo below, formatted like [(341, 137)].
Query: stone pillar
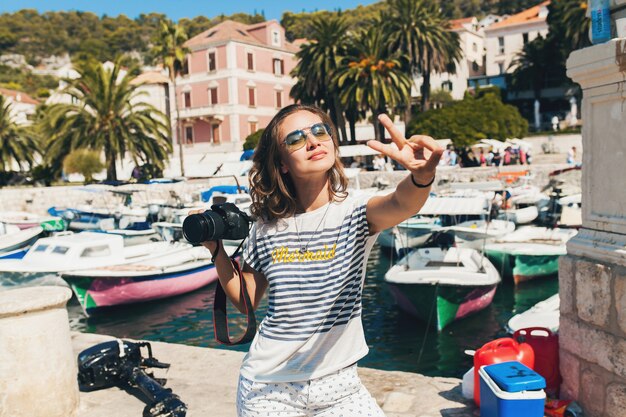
[(592, 277), (38, 371)]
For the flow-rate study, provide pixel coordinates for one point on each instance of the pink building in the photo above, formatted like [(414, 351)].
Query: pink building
[(237, 78)]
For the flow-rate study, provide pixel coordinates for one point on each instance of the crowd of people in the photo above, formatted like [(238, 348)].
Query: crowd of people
[(468, 157)]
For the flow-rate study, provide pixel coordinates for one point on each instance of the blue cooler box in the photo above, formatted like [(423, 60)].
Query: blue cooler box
[(511, 389)]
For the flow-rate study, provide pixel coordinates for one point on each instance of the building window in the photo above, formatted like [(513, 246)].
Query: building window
[(275, 38), (187, 99), (251, 96), (279, 99), (279, 66), (474, 47), (252, 127), (250, 61), (446, 86), (501, 67), (501, 45), (213, 96), (475, 66), (525, 38), (215, 133), (212, 62), (188, 134)]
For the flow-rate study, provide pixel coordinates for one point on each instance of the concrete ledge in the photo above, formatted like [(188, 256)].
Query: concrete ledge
[(206, 380)]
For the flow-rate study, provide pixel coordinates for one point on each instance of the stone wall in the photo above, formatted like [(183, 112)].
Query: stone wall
[(593, 335), (592, 277)]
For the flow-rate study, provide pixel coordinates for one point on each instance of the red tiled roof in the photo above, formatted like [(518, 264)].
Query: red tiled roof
[(23, 97), (458, 23), (527, 16), (229, 30)]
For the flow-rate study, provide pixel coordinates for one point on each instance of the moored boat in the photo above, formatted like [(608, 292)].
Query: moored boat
[(409, 234), (529, 253), (14, 242), (543, 314), (23, 220), (69, 251), (152, 279), (440, 286), (475, 233)]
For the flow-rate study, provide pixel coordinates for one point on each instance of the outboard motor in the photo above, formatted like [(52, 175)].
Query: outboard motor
[(120, 363)]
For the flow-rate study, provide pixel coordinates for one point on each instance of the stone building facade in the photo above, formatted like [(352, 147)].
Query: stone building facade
[(592, 277)]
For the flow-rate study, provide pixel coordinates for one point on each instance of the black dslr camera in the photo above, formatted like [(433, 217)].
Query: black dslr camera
[(223, 221), (120, 363)]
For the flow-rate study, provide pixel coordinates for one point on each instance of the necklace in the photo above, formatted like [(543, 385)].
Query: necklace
[(303, 248)]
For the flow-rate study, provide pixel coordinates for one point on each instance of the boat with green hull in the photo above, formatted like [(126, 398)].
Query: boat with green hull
[(524, 262), (440, 286), (529, 253)]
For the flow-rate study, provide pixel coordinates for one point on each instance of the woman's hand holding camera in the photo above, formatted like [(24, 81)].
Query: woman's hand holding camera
[(211, 245)]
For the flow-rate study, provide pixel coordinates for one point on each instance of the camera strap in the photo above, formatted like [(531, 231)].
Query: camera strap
[(220, 316)]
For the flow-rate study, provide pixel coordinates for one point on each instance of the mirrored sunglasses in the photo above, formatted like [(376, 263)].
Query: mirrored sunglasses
[(297, 139)]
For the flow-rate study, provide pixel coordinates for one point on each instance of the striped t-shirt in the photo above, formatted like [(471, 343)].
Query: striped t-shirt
[(313, 324)]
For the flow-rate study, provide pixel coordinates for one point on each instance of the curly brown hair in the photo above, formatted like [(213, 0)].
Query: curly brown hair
[(273, 193)]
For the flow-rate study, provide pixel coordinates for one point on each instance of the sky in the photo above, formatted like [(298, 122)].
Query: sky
[(176, 9)]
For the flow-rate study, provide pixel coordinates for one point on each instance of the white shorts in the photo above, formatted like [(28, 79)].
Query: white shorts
[(340, 394)]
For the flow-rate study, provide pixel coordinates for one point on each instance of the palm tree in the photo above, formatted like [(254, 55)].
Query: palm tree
[(568, 19), (106, 114), (17, 144), (419, 32), (372, 77), (169, 50), (318, 61)]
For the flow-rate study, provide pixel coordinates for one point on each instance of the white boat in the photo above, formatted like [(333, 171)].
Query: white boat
[(226, 194), (529, 252), (411, 233), (23, 219), (170, 232), (70, 252), (14, 241), (475, 233), (543, 314), (169, 275), (440, 286), (519, 216)]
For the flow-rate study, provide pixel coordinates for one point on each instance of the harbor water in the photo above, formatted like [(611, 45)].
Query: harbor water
[(396, 340)]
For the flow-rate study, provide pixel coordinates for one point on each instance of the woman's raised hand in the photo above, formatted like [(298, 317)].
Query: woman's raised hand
[(419, 154)]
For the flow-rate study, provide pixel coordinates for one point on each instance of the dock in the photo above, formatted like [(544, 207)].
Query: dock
[(206, 380)]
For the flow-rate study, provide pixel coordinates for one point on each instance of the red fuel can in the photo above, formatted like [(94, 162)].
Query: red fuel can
[(497, 351), (545, 345)]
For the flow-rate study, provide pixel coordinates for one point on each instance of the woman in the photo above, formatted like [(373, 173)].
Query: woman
[(310, 245)]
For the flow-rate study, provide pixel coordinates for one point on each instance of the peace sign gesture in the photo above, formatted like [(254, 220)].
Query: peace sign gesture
[(419, 154)]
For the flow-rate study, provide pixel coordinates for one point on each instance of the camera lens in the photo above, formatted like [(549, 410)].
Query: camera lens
[(198, 228)]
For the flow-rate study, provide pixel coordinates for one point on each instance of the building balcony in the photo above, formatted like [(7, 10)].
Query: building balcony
[(205, 112)]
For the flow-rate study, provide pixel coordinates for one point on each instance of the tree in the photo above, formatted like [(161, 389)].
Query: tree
[(568, 20), (107, 115), (252, 140), (169, 49), (317, 65), (419, 32), (471, 119), (372, 77), (17, 144), (85, 162)]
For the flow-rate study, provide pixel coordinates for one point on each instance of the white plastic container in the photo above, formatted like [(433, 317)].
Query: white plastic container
[(467, 386)]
